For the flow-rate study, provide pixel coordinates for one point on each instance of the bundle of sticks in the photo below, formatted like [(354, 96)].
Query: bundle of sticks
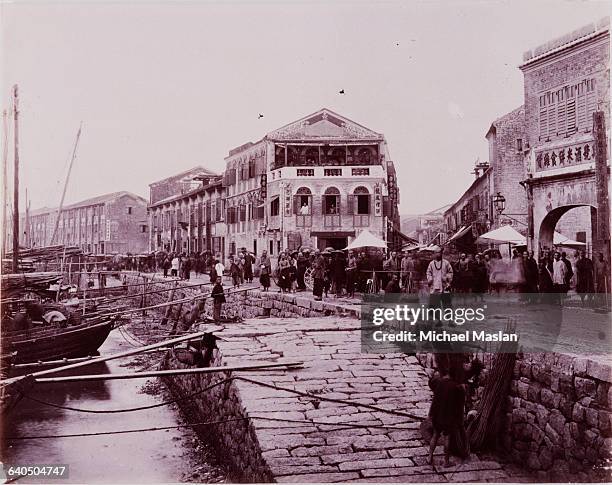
[(484, 430), (17, 283), (48, 252)]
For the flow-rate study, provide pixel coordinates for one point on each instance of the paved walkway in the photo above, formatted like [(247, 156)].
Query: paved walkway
[(311, 446)]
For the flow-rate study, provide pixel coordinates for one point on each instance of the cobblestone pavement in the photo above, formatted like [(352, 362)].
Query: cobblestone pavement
[(311, 445)]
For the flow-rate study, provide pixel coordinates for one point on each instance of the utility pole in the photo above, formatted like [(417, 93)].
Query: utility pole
[(16, 182), (59, 210)]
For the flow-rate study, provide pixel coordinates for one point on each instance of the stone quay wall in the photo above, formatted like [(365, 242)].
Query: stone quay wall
[(245, 303), (558, 415)]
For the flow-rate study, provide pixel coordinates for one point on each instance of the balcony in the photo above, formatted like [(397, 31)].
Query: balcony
[(303, 220), (361, 220), (331, 220)]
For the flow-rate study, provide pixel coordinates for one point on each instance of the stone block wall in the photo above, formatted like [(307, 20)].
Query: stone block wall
[(243, 303), (557, 416), (237, 437)]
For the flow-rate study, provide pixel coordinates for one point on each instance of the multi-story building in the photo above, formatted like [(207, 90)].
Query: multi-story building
[(474, 213), (565, 82), (191, 218), (470, 215), (315, 182), (110, 223)]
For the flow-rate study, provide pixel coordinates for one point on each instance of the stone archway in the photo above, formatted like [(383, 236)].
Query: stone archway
[(550, 220)]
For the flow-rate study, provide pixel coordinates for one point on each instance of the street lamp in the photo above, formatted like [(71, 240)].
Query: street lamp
[(499, 201)]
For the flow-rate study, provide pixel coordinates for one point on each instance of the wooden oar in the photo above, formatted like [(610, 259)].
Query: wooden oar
[(166, 373), (127, 353)]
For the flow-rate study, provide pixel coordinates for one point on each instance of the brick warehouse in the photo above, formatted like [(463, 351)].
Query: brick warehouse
[(110, 223), (316, 182), (565, 82)]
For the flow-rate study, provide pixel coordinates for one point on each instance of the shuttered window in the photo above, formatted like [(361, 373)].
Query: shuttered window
[(565, 111)]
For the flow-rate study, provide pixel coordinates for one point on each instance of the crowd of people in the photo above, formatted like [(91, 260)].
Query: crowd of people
[(554, 272)]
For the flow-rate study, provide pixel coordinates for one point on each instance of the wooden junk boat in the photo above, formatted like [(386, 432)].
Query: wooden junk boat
[(76, 334)]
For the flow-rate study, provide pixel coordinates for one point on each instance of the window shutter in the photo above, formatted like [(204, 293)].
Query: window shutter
[(350, 205), (296, 204), (543, 118), (260, 165), (591, 103), (552, 119), (571, 115), (561, 114), (581, 115)]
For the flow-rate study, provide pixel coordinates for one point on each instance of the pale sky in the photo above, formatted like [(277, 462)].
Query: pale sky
[(163, 86)]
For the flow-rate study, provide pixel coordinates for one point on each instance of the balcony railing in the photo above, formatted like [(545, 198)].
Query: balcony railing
[(331, 220), (361, 220), (303, 220)]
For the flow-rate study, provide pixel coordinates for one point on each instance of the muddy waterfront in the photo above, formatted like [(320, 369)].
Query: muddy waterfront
[(173, 455)]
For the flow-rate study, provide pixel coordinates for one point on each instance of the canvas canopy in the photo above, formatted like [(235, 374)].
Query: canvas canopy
[(503, 235), (366, 239)]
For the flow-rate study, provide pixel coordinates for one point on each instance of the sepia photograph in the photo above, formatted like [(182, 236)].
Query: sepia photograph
[(294, 241)]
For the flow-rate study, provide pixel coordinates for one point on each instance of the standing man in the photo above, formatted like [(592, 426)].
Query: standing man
[(407, 273), (585, 272), (570, 270), (248, 267), (318, 275), (219, 268), (265, 270), (219, 299), (439, 278), (559, 274)]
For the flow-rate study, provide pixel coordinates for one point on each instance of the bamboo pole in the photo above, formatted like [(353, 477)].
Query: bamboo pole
[(126, 353), (166, 373), (164, 320), (59, 210), (44, 363)]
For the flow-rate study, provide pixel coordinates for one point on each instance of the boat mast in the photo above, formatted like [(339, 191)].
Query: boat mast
[(59, 211), (16, 182), (4, 181)]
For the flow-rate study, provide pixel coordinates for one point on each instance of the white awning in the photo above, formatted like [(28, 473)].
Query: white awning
[(503, 235), (366, 239)]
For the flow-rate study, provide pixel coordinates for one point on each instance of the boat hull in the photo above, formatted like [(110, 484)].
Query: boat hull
[(79, 341)]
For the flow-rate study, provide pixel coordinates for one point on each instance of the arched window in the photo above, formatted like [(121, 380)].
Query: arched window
[(331, 201), (361, 198), (302, 201)]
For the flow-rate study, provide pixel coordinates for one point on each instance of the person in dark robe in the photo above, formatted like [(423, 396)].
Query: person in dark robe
[(248, 267), (480, 276), (302, 266), (530, 270), (570, 271), (393, 285), (447, 409), (585, 277), (318, 275), (265, 270), (338, 275), (235, 272), (218, 299)]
